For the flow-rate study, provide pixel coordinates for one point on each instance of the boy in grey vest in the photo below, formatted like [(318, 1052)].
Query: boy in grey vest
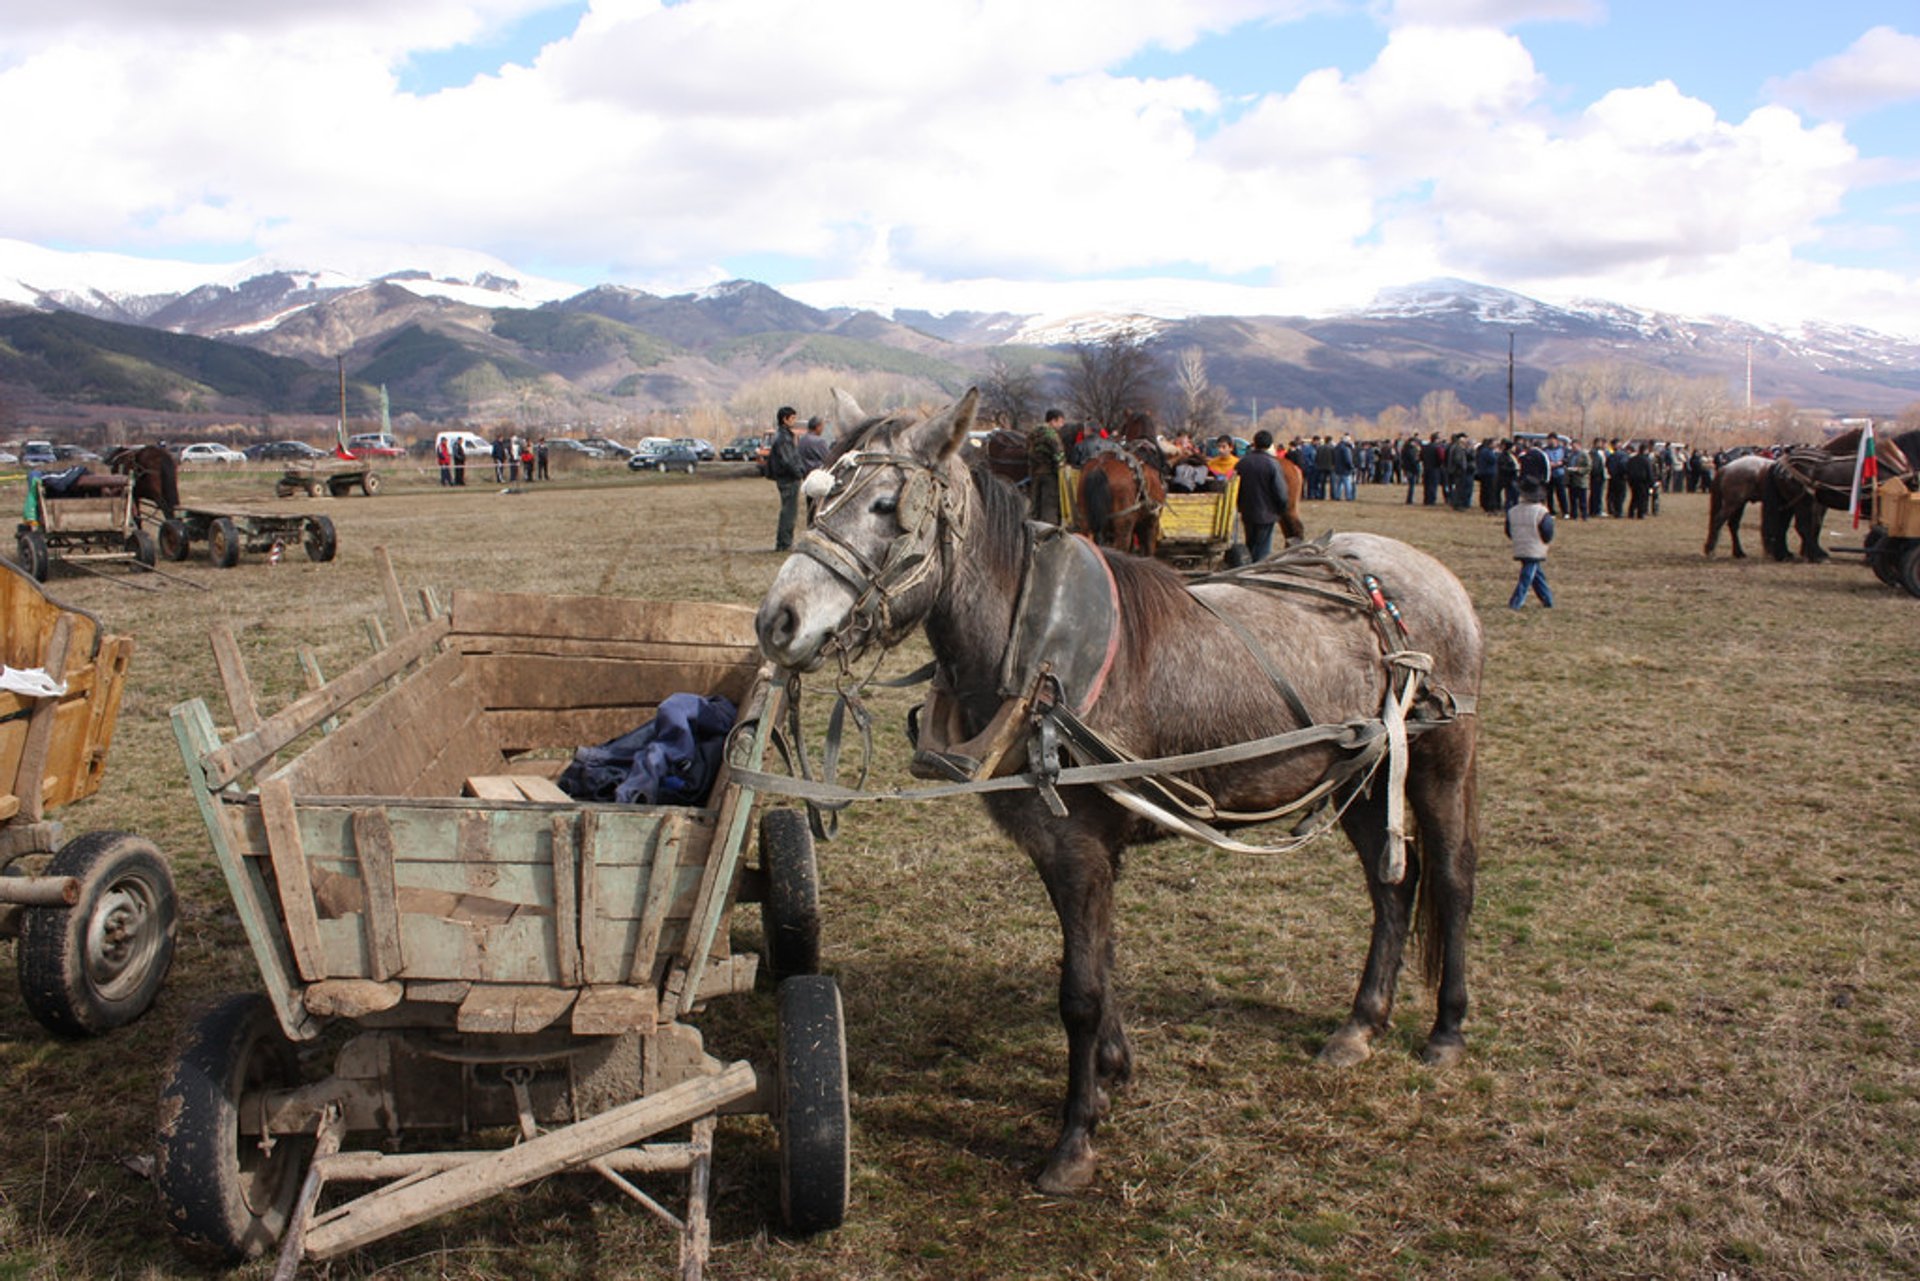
[(1530, 526)]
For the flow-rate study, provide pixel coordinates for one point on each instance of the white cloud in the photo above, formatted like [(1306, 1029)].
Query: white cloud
[(1493, 13), (1879, 69)]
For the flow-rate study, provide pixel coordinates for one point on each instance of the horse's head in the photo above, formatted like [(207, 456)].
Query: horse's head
[(894, 503)]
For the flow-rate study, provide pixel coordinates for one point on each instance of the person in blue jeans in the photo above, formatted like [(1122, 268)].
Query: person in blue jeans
[(1530, 527)]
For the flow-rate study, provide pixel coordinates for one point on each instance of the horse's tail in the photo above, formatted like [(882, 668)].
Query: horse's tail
[(1096, 500)]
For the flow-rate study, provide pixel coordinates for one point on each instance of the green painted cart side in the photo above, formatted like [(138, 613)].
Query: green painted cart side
[(399, 856)]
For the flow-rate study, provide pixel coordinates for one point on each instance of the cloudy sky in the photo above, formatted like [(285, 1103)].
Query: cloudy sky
[(1755, 158)]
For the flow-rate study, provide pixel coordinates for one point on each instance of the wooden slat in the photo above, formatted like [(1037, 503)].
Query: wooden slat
[(297, 909), (599, 961), (616, 618), (232, 669), (493, 787), (387, 746), (390, 588), (610, 1011), (289, 723), (546, 681), (566, 900), (659, 651), (29, 779), (351, 998), (373, 844), (514, 1010), (653, 912)]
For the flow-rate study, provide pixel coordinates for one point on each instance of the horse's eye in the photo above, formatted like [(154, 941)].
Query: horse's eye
[(885, 506)]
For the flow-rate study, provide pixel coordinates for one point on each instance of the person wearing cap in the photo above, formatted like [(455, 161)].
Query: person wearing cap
[(1530, 528)]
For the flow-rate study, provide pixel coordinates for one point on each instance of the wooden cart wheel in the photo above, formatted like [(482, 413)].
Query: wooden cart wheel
[(371, 485), (146, 552), (812, 1119), (32, 546), (223, 542), (282, 489), (175, 543), (318, 538), (97, 965), (220, 1191), (790, 916), (1909, 564)]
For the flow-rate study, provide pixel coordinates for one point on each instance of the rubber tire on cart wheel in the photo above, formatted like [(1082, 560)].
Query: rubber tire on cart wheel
[(97, 965), (812, 1117), (370, 486), (318, 538), (220, 1192), (790, 916), (32, 547), (146, 552), (223, 542), (175, 544), (1910, 567)]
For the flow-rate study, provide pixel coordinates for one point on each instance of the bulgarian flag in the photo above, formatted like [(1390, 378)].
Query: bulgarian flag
[(340, 449), (1866, 468)]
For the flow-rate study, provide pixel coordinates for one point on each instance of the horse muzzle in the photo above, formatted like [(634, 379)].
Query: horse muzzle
[(803, 610)]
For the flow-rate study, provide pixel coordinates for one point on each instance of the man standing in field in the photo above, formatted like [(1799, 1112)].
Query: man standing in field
[(1044, 455), (1263, 494), (785, 470), (813, 448)]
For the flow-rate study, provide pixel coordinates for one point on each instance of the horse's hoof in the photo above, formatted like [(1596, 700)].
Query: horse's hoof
[(1444, 1053), (1067, 1175), (1347, 1048)]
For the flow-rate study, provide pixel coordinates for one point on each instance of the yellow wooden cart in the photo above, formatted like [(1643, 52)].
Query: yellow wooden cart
[(507, 957), (94, 916), (1195, 529)]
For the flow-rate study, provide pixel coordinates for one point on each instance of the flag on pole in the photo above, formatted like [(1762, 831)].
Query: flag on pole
[(340, 449), (1866, 468)]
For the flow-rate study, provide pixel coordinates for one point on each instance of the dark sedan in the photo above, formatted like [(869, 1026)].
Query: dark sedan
[(283, 451), (670, 457)]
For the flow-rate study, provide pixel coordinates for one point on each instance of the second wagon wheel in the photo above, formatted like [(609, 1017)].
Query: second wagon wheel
[(175, 542), (790, 916), (223, 542), (1909, 555), (812, 1111), (225, 1191), (32, 547), (371, 485), (145, 550), (317, 536), (97, 965)]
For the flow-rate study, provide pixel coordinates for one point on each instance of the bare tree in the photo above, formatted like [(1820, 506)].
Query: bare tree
[(1440, 411), (1112, 377), (1009, 394), (1199, 406)]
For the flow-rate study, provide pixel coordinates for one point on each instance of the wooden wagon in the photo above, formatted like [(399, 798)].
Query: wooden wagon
[(93, 916), (508, 957), (326, 480), (93, 520), (227, 531), (1196, 530), (1893, 545)]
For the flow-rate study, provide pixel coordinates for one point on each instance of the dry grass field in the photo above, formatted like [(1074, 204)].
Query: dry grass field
[(1696, 993)]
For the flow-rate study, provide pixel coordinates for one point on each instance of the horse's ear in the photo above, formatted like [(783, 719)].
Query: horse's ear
[(944, 433), (847, 413)]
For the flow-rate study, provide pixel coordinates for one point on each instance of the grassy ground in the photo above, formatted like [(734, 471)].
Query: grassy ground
[(1695, 991)]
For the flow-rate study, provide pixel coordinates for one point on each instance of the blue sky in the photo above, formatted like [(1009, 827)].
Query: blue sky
[(1758, 159)]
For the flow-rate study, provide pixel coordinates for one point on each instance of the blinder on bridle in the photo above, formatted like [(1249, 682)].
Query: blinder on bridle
[(931, 512)]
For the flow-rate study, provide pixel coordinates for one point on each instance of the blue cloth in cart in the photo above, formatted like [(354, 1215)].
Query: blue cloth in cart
[(670, 760)]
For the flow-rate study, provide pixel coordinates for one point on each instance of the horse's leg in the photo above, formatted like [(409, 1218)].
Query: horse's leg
[(1441, 788), (1716, 517), (1291, 525), (1773, 528), (1734, 513), (1807, 523), (1078, 871), (1366, 825)]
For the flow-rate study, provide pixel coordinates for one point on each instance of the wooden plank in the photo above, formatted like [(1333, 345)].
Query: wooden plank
[(612, 1011), (373, 844), (297, 911), (382, 1213), (658, 651), (232, 669), (310, 668), (599, 961), (611, 617), (469, 750), (655, 908), (227, 763), (517, 1010), (538, 787), (566, 900), (388, 745), (493, 787), (351, 998), (30, 778), (390, 588), (549, 681)]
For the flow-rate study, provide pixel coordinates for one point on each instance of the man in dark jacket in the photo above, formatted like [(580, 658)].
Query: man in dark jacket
[(1263, 494), (1432, 455), (785, 470)]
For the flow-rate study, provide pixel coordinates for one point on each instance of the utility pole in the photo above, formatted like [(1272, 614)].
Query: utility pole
[(1509, 384)]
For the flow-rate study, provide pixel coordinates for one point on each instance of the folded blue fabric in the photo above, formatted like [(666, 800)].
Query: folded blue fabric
[(670, 760)]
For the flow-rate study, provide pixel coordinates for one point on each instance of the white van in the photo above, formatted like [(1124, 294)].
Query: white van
[(477, 447)]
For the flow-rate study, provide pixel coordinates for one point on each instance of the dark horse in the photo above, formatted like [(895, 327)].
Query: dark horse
[(912, 538), (1121, 494), (1807, 482), (156, 478), (1733, 486)]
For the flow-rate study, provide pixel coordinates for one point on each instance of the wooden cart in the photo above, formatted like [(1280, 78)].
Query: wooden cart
[(508, 957), (326, 480), (227, 531), (93, 916), (95, 520), (1196, 530), (1893, 546)]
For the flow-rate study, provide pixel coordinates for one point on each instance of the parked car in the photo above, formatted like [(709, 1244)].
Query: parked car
[(702, 449), (740, 449), (38, 453), (611, 448), (376, 444), (7, 457), (209, 452), (667, 456), (568, 445), (74, 454), (283, 451)]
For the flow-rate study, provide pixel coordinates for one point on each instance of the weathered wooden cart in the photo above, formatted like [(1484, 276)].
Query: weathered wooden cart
[(1196, 530), (93, 916), (329, 480), (94, 520), (1893, 545), (227, 531), (510, 959)]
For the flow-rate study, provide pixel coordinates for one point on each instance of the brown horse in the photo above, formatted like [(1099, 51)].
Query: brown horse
[(1119, 500), (910, 538), (1733, 486), (156, 479)]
